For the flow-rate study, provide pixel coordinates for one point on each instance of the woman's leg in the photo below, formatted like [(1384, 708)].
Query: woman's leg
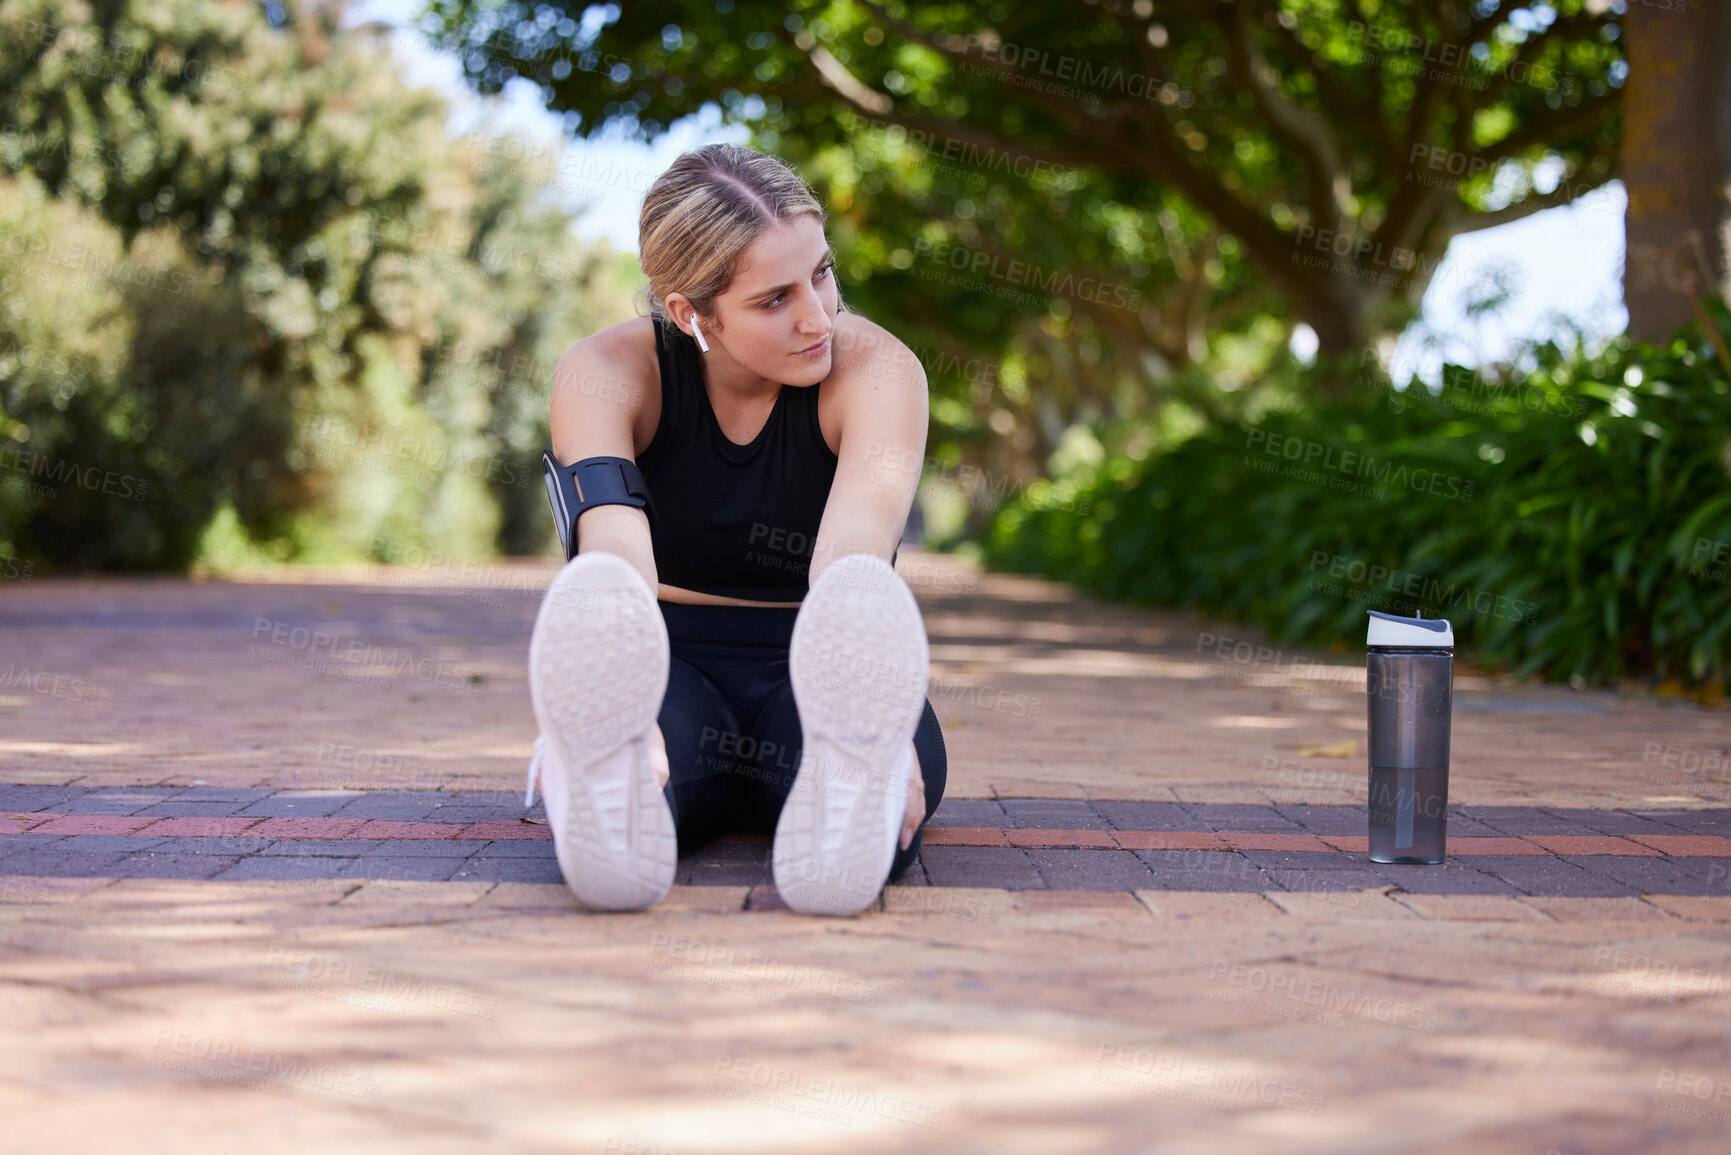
[(777, 739), (705, 789)]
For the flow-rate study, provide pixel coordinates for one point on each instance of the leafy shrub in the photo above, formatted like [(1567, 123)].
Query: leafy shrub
[(1573, 519)]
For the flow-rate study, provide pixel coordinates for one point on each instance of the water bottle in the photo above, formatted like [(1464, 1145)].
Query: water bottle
[(1409, 686)]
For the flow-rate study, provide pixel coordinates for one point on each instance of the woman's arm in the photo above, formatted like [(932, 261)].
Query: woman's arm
[(885, 411), (598, 389)]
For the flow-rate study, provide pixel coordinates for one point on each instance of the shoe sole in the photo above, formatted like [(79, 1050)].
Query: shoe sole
[(858, 662), (598, 668)]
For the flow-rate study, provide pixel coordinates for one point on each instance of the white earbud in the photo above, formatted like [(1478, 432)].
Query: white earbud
[(697, 329)]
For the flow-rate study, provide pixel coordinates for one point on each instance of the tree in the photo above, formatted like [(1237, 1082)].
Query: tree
[(1223, 158), (1676, 164), (324, 323)]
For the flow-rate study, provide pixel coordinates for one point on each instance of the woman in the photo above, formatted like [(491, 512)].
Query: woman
[(729, 648)]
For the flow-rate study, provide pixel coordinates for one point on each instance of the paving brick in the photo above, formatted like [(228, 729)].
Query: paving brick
[(19, 824), (443, 847), (1028, 814), (1709, 821), (1551, 876), (92, 824), (105, 843), (519, 869), (1566, 844), (27, 797), (215, 846), (1444, 878), (1661, 875), (111, 806), (1344, 904), (378, 828), (1493, 846), (408, 869), (1517, 821), (1091, 869), (1095, 839), (279, 806), (764, 897), (220, 794), (397, 806), (29, 840), (963, 836), (968, 812), (725, 872), (1243, 840), (511, 847), (311, 828), (1332, 860), (1236, 816), (149, 864), (179, 809), (1329, 819), (1210, 909), (1598, 908), (1113, 904), (1149, 816), (284, 868), (49, 862), (1620, 822), (322, 847), (1691, 845), (1350, 843), (1168, 840), (500, 829), (1473, 908), (1203, 870), (1693, 906), (999, 867), (201, 827)]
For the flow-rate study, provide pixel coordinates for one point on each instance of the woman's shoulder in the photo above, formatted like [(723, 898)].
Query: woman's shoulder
[(866, 351), (625, 345)]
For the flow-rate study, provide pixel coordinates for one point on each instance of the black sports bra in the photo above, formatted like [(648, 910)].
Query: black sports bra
[(733, 520)]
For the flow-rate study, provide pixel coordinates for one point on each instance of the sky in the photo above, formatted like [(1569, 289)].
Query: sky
[(1564, 263)]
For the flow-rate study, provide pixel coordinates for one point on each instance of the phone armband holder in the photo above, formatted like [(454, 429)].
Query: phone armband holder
[(588, 483)]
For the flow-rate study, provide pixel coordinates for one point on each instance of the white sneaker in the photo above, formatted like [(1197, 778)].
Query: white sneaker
[(858, 662), (598, 665)]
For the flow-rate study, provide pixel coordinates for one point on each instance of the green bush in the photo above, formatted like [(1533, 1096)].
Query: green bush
[(1572, 519)]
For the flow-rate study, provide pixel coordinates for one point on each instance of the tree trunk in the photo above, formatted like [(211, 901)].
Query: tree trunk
[(1676, 163)]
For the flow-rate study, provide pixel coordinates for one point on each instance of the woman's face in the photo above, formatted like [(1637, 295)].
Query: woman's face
[(782, 302)]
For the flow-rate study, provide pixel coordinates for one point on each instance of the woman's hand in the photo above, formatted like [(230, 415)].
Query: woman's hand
[(916, 812)]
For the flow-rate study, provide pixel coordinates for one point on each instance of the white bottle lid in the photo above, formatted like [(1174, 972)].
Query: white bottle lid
[(1411, 633)]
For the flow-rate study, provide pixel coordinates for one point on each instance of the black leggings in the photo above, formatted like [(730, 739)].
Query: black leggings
[(732, 729)]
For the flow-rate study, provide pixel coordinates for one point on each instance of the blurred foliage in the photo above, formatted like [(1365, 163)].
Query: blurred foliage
[(256, 302), (1572, 519), (1079, 214)]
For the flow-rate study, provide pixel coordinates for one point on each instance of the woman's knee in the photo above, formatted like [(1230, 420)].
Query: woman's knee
[(697, 723)]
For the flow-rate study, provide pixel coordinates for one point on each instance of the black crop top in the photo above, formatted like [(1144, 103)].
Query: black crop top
[(733, 520)]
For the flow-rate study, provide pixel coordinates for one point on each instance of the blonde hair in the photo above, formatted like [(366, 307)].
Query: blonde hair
[(701, 215)]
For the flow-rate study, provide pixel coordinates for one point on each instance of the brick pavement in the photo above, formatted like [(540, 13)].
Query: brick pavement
[(264, 890)]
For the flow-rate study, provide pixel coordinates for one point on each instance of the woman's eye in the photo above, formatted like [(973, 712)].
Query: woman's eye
[(820, 274)]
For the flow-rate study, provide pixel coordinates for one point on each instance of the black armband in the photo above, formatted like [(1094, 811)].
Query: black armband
[(588, 483)]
